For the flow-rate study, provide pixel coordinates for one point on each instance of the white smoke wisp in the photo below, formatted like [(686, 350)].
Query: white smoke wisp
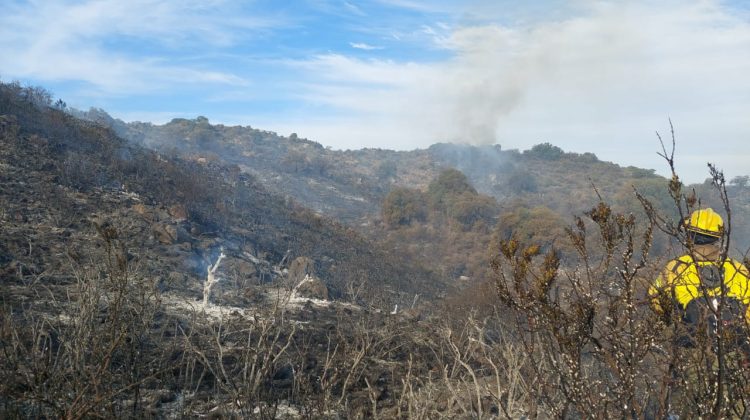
[(600, 79), (614, 71), (484, 83)]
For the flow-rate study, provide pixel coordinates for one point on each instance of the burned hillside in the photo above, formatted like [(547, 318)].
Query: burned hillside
[(109, 251), (63, 176), (104, 249)]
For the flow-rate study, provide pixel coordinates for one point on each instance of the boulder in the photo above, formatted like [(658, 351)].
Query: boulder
[(301, 267), (139, 208), (306, 283), (311, 288), (142, 210), (178, 212), (245, 269), (164, 234), (181, 235)]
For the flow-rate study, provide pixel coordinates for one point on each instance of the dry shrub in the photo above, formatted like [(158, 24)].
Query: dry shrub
[(594, 347), (89, 359)]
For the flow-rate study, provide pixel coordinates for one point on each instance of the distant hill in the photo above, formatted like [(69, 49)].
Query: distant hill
[(350, 185), (537, 191), (345, 185)]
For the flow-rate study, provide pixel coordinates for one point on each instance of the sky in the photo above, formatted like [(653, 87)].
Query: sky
[(585, 75)]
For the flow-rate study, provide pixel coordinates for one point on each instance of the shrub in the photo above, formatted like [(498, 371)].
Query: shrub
[(402, 206), (594, 347), (450, 182), (522, 181), (545, 151), (469, 209)]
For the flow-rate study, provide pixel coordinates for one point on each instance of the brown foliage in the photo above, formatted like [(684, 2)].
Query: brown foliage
[(595, 347)]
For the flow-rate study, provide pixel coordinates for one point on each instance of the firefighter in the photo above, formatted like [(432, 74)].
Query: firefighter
[(709, 298), (701, 288)]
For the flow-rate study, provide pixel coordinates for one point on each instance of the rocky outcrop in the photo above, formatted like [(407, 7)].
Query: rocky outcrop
[(301, 267), (307, 283), (312, 288), (178, 212), (170, 234)]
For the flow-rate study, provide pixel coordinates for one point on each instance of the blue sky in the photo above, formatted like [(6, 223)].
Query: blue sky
[(588, 76)]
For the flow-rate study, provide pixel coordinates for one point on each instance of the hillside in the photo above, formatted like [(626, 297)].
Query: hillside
[(104, 250), (63, 177), (537, 191), (107, 248), (349, 185)]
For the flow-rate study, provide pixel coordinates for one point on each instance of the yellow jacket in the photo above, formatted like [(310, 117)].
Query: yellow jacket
[(679, 286)]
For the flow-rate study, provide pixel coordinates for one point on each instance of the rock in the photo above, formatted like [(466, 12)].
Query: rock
[(306, 283), (245, 268), (312, 288), (207, 244), (195, 230), (178, 212), (172, 231), (164, 234), (141, 209), (161, 214), (182, 235), (301, 267)]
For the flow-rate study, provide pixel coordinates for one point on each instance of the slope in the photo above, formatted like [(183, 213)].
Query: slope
[(63, 177)]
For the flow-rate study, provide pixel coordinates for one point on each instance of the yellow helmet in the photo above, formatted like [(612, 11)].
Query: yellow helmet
[(705, 222)]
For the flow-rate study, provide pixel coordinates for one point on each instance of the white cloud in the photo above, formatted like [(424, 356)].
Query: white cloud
[(354, 9), (363, 46), (424, 6), (69, 41), (601, 81)]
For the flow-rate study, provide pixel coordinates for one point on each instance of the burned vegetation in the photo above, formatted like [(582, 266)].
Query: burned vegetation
[(145, 284)]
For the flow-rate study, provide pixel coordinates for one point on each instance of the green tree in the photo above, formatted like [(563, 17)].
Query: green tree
[(402, 206), (545, 151), (540, 225), (469, 208), (450, 182)]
